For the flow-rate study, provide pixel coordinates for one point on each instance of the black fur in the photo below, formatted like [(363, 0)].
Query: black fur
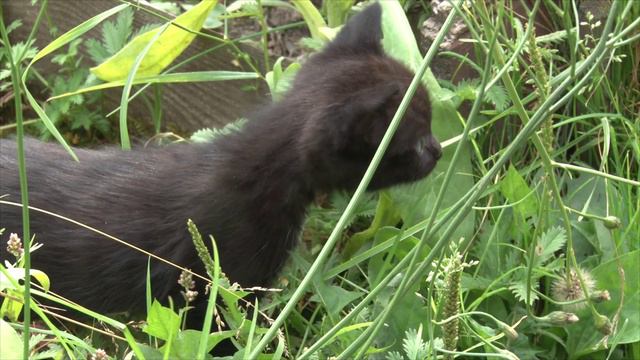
[(249, 189)]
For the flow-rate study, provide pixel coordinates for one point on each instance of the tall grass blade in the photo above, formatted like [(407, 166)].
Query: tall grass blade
[(187, 77), (53, 46), (24, 194), (124, 100)]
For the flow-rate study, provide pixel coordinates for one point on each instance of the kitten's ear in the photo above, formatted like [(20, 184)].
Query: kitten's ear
[(361, 35)]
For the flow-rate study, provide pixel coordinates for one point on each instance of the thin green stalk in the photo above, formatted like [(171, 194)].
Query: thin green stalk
[(11, 126), (552, 103), (329, 334), (108, 236), (369, 335), (542, 151), (595, 173), (264, 30), (482, 355), (124, 100), (34, 30), (543, 88), (213, 292), (157, 107), (24, 193), (252, 329), (618, 31)]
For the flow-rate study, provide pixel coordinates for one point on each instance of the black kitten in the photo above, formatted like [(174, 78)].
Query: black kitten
[(249, 189)]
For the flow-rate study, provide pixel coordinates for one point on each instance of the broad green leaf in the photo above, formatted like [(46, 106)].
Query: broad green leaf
[(334, 298), (517, 191), (247, 5), (583, 336), (162, 322), (150, 353), (398, 39), (167, 47), (187, 77), (591, 194), (185, 344), (11, 342), (233, 313), (386, 215)]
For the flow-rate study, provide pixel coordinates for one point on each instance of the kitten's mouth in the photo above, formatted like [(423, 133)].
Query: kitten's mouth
[(421, 146), (429, 144)]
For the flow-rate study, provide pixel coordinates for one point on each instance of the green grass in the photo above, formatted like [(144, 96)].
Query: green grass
[(523, 243)]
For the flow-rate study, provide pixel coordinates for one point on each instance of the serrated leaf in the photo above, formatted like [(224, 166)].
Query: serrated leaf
[(115, 34), (548, 243), (96, 51), (169, 45), (394, 355), (519, 290), (21, 47), (35, 339), (14, 25), (144, 28), (497, 95), (467, 91), (280, 80), (209, 134), (414, 347)]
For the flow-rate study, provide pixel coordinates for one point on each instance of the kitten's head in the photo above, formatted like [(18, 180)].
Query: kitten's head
[(351, 90)]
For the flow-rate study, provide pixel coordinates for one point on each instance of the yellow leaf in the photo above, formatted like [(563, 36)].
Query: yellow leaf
[(167, 47)]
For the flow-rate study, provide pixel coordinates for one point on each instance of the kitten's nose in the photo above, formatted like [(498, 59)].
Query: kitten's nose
[(435, 148)]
